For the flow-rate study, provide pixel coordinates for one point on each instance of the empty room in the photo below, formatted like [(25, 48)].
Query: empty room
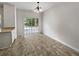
[(39, 28)]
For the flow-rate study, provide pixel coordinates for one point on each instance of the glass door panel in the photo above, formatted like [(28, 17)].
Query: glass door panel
[(31, 25)]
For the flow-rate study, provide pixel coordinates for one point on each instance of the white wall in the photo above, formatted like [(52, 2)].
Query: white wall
[(61, 22), (1, 13), (21, 14)]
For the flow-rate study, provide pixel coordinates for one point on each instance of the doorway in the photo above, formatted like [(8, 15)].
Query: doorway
[(31, 25)]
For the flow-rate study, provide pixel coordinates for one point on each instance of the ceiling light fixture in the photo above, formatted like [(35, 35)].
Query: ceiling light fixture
[(38, 8)]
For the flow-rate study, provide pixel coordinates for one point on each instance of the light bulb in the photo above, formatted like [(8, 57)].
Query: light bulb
[(40, 10), (37, 11)]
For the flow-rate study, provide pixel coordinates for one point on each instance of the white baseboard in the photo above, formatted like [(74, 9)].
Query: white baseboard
[(63, 43)]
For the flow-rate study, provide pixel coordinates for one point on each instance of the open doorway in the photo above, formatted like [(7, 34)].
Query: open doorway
[(31, 25)]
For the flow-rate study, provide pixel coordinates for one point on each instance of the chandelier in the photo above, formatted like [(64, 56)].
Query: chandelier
[(38, 8)]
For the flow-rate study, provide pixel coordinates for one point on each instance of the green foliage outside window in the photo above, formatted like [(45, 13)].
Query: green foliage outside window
[(31, 21)]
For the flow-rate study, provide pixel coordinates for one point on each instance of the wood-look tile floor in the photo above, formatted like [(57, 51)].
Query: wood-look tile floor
[(37, 45)]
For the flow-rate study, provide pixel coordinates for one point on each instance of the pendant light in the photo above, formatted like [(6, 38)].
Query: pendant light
[(38, 8)]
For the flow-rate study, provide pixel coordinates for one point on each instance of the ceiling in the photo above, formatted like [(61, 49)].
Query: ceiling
[(32, 5)]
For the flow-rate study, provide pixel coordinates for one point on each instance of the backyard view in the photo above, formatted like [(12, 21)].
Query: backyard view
[(30, 25)]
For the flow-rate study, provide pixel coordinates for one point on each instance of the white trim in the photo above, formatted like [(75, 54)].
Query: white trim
[(63, 42)]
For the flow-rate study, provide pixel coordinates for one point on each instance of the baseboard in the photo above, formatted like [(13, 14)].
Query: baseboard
[(63, 43)]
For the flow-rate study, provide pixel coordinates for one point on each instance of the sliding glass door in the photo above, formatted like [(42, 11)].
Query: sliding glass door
[(31, 25)]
